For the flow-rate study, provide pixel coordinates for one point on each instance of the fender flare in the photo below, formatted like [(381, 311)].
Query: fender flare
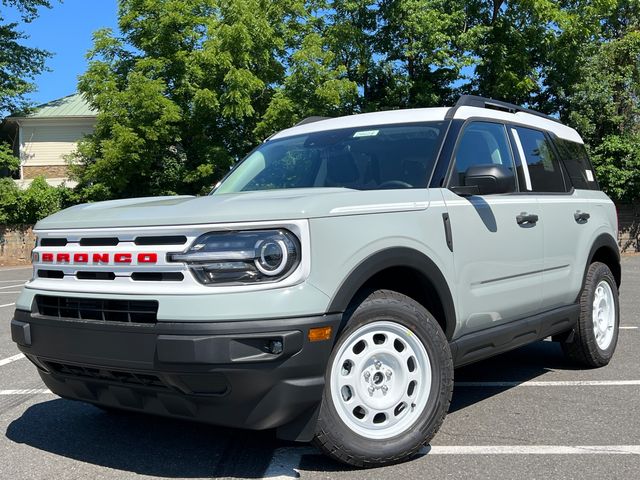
[(396, 257), (607, 241)]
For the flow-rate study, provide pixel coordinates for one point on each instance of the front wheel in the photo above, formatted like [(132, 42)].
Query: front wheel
[(388, 384), (596, 333)]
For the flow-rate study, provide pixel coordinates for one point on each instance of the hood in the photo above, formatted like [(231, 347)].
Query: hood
[(272, 205)]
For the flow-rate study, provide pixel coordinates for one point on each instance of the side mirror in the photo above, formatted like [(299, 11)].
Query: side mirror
[(486, 180)]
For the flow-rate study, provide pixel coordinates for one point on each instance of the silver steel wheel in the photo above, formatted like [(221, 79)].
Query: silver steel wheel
[(604, 314), (380, 380)]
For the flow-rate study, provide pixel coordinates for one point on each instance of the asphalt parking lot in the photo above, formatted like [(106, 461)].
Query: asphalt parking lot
[(527, 414)]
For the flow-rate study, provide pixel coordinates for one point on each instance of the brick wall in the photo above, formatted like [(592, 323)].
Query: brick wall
[(629, 228), (49, 171), (15, 245)]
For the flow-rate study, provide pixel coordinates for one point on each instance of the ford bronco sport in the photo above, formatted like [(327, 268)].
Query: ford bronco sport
[(331, 283)]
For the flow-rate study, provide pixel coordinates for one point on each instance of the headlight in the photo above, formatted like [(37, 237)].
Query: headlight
[(252, 256)]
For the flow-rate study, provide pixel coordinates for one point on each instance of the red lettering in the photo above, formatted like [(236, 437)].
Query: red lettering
[(122, 258), (100, 258), (80, 258), (63, 257), (147, 258), (47, 257)]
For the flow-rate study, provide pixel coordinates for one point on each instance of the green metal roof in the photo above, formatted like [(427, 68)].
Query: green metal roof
[(71, 106)]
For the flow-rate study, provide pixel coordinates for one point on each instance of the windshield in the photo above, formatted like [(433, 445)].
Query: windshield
[(365, 158)]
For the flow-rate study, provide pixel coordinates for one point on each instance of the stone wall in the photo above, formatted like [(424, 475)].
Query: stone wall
[(629, 228), (49, 171), (16, 244)]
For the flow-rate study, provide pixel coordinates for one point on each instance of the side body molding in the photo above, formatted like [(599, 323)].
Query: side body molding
[(397, 257)]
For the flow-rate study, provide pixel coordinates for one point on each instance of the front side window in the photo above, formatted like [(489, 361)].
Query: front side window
[(482, 143), (544, 169), (365, 158)]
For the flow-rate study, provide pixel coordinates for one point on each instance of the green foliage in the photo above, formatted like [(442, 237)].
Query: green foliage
[(189, 86), (19, 64), (605, 108), (26, 207), (181, 91), (8, 161)]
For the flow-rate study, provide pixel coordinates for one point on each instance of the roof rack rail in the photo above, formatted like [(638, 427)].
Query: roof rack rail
[(310, 120), (483, 102)]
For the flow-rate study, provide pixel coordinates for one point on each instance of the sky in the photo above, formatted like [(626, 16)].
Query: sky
[(66, 31)]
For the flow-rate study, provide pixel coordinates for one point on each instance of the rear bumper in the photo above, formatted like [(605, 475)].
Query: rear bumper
[(221, 373)]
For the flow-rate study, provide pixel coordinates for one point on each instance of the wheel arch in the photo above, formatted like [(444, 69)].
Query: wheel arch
[(406, 271), (605, 249)]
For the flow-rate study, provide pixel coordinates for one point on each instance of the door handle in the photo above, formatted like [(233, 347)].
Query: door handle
[(581, 217), (527, 219)]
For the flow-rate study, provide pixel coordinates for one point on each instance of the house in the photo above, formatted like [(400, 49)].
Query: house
[(43, 138)]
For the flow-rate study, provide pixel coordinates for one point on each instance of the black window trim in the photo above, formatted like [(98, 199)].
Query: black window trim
[(449, 146)]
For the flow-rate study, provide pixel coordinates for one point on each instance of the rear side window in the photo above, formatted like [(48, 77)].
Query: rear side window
[(544, 168), (576, 161)]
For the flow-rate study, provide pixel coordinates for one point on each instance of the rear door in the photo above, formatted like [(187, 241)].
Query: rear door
[(560, 205), (498, 261)]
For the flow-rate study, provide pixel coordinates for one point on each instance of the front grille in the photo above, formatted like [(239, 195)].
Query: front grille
[(120, 376), (84, 275), (50, 273), (161, 240), (53, 242), (135, 276), (99, 242), (128, 311)]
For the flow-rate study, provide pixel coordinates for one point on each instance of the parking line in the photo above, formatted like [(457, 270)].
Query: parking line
[(9, 360), (14, 269), (7, 305), (533, 450), (10, 291), (558, 383), (628, 328), (285, 462), (28, 391), (12, 286)]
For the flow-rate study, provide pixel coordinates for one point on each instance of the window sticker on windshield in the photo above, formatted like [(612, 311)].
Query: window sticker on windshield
[(589, 175), (366, 133)]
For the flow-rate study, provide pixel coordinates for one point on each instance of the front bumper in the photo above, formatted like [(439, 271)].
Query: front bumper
[(222, 373)]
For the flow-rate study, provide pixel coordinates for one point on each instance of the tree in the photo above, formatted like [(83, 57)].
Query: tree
[(605, 108), (182, 92), (19, 64), (509, 41)]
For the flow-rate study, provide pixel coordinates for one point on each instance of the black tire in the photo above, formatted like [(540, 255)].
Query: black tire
[(582, 347), (340, 442)]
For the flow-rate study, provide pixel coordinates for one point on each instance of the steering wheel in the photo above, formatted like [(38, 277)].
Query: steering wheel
[(394, 184)]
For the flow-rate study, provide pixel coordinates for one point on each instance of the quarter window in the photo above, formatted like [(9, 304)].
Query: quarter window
[(543, 165), (482, 143), (576, 161)]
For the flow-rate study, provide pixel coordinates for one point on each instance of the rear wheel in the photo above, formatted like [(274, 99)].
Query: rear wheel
[(596, 333), (388, 384)]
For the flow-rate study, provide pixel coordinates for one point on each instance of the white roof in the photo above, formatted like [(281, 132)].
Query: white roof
[(391, 117), (388, 117), (559, 129)]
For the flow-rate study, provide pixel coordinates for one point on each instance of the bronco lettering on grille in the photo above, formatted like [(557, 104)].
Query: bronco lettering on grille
[(99, 257)]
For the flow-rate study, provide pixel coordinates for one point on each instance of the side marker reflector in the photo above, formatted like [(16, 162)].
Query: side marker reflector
[(319, 334)]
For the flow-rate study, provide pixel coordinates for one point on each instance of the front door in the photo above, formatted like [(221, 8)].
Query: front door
[(497, 242)]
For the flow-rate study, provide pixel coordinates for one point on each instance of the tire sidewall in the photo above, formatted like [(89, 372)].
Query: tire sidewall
[(423, 325), (599, 272)]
